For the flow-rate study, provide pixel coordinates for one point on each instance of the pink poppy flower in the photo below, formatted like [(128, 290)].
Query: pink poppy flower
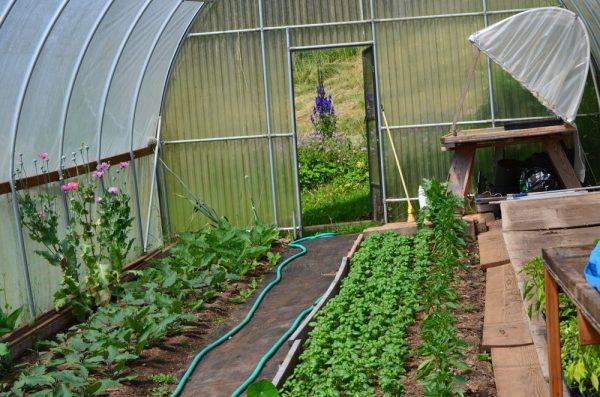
[(98, 200), (72, 185), (41, 214), (65, 188), (113, 190), (97, 174), (43, 156), (102, 167), (124, 164)]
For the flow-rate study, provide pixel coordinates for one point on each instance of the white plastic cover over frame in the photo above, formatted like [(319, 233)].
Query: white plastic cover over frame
[(84, 71), (547, 50)]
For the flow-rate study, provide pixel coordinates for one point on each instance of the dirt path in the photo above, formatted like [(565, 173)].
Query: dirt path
[(304, 280)]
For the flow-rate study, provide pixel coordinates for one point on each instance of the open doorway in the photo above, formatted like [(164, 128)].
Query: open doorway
[(336, 125)]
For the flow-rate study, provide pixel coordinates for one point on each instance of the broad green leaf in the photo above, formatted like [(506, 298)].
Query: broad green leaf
[(262, 388)]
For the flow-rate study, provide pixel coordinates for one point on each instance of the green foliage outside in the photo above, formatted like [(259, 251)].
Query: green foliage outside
[(333, 160), (581, 364), (161, 299)]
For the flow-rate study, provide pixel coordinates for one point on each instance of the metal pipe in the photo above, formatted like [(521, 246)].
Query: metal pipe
[(489, 69), (330, 46), (68, 97), (267, 110), (162, 188), (401, 200), (354, 22), (488, 121), (225, 138), (294, 129), (7, 11), (14, 127), (378, 95), (134, 102), (152, 184)]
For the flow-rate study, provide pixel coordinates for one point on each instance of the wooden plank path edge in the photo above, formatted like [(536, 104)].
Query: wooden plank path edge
[(301, 334), (492, 250), (517, 372)]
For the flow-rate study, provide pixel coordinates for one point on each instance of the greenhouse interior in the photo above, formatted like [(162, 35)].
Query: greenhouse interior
[(300, 198)]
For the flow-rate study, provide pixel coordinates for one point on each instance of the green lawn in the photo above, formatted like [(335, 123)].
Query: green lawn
[(332, 203)]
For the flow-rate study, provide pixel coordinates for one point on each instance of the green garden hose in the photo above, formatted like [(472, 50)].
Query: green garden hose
[(233, 331), (273, 350)]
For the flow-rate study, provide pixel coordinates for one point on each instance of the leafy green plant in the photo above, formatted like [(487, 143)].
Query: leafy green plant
[(93, 355), (159, 391), (245, 293), (581, 364), (163, 379), (262, 388)]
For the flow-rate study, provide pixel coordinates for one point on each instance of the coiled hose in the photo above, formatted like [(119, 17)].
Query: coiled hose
[(246, 320)]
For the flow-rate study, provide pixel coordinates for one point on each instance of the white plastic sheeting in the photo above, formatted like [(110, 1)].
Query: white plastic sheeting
[(84, 71), (547, 50)]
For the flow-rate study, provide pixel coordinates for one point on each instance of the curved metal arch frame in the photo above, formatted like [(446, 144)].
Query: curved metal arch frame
[(14, 127), (68, 97), (134, 103), (104, 99)]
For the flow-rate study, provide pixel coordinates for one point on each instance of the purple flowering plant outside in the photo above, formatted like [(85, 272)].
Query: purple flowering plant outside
[(92, 249)]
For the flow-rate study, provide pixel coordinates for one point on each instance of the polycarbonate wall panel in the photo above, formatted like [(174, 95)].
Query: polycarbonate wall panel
[(217, 86), (227, 15), (226, 175), (154, 78), (589, 11), (302, 12), (20, 34), (423, 68), (499, 5), (61, 40), (416, 8), (216, 90)]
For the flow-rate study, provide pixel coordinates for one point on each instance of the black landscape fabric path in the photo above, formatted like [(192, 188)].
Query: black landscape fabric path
[(305, 279)]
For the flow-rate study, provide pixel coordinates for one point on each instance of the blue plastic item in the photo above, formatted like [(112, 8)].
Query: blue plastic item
[(592, 269)]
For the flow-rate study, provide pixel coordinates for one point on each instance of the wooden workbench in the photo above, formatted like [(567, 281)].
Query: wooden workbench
[(465, 143), (564, 271)]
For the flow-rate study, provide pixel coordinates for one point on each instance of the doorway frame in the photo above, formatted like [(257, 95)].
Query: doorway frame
[(298, 221)]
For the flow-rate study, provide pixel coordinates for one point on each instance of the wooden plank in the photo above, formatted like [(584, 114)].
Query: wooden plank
[(355, 246), (587, 334), (459, 176), (289, 363), (562, 165), (553, 330), (496, 135), (398, 227), (551, 213), (517, 372), (504, 322), (522, 246), (492, 251)]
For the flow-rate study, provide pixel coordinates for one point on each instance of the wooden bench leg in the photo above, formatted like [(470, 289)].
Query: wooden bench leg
[(564, 170), (459, 177), (553, 333)]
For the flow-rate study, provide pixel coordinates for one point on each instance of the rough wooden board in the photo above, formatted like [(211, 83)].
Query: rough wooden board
[(492, 135), (459, 176), (517, 372), (504, 322), (492, 251), (495, 224), (483, 217), (551, 213), (566, 174), (522, 246), (398, 227)]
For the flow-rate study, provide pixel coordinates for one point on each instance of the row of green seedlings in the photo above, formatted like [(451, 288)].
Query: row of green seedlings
[(160, 301), (442, 246), (357, 346), (581, 364)]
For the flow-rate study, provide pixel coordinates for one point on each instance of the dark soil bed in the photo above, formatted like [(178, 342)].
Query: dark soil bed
[(480, 377)]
